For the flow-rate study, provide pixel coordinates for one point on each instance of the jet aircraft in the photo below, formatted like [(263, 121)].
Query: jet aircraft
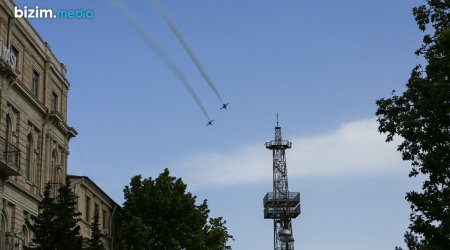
[(225, 105)]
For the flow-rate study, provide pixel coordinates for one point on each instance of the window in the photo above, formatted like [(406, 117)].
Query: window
[(16, 55), (7, 136), (35, 89), (88, 209), (29, 157), (96, 211), (8, 131), (54, 106), (26, 236), (53, 166), (104, 220), (2, 231)]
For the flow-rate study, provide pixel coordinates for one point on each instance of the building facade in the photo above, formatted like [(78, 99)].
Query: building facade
[(91, 199), (34, 135)]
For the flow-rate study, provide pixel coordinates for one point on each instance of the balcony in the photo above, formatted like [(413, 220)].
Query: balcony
[(278, 144), (292, 199), (278, 212), (275, 207), (9, 159)]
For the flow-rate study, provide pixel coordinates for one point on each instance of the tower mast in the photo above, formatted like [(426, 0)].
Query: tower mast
[(281, 205)]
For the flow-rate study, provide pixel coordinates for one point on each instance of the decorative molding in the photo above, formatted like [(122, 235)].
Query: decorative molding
[(8, 72), (30, 98), (58, 121), (26, 193)]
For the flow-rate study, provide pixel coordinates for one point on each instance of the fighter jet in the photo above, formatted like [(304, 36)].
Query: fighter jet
[(210, 123), (225, 105)]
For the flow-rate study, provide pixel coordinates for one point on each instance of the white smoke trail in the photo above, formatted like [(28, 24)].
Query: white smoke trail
[(186, 46), (160, 52)]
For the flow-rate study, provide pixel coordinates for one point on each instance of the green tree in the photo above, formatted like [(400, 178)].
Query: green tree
[(412, 242), (134, 234), (421, 116), (216, 234), (67, 218), (43, 223), (168, 217), (95, 242), (55, 227)]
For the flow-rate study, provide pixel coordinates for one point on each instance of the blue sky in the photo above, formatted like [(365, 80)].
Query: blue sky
[(320, 64)]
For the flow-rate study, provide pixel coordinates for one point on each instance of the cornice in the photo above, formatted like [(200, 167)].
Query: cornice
[(91, 185), (19, 188), (53, 116), (57, 119), (30, 98)]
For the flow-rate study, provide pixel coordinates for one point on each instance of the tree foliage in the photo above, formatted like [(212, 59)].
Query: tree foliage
[(95, 242), (43, 231), (55, 227), (421, 116), (160, 214), (135, 235)]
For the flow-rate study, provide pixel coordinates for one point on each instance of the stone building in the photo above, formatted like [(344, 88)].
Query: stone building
[(90, 199), (34, 134)]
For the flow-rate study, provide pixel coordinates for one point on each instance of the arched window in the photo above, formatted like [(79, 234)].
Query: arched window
[(29, 158), (26, 236), (2, 232)]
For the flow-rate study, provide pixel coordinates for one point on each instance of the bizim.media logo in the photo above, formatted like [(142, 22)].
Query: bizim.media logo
[(46, 13)]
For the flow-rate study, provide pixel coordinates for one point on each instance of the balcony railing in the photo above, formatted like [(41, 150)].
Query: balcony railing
[(278, 144), (279, 212), (276, 207), (9, 158), (292, 199)]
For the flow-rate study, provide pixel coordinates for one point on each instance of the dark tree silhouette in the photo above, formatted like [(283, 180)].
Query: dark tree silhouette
[(421, 116), (95, 242), (43, 226), (56, 226)]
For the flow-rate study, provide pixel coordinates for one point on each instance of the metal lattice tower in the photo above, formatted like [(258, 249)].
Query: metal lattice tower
[(281, 205)]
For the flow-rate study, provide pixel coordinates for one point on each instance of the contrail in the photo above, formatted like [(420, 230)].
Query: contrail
[(186, 47), (160, 52)]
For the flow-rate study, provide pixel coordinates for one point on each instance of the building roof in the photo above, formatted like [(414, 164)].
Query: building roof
[(91, 182)]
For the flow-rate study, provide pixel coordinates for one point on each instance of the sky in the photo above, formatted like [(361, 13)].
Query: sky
[(320, 65)]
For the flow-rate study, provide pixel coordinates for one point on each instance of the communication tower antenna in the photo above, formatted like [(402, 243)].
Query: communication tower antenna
[(281, 205)]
